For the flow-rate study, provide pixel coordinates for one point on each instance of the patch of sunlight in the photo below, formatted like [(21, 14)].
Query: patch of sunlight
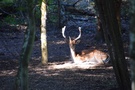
[(90, 75), (7, 72), (127, 58), (46, 73), (53, 69), (59, 42), (70, 65), (21, 27)]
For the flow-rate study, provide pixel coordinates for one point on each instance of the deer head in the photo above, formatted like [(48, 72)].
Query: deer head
[(72, 42), (86, 56)]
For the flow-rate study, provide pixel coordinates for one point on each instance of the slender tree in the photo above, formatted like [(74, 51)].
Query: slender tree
[(111, 27), (43, 33), (22, 75), (132, 43)]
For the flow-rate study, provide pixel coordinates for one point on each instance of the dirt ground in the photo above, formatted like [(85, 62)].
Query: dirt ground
[(60, 73)]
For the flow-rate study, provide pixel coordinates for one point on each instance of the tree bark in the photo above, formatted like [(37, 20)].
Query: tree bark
[(43, 33), (99, 33), (111, 27), (22, 75), (132, 44)]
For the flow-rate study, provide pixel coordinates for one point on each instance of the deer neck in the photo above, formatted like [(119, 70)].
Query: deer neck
[(73, 54)]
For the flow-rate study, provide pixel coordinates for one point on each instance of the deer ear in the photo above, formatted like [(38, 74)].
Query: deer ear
[(77, 41), (66, 40)]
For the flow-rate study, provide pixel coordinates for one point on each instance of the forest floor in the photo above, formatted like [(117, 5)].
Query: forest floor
[(60, 73)]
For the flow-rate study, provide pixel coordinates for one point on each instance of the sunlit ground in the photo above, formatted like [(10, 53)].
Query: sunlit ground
[(63, 75), (71, 65)]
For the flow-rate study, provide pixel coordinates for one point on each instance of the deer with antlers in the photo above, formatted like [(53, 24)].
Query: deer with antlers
[(95, 57)]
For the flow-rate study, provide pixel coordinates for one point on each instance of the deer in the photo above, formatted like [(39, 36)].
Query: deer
[(92, 57)]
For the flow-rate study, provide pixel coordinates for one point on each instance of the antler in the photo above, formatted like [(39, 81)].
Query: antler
[(79, 33), (63, 31)]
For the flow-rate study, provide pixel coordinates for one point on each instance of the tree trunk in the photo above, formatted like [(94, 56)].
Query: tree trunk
[(99, 33), (22, 75), (132, 43), (111, 27), (43, 33)]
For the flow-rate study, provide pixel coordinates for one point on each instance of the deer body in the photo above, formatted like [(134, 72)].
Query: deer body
[(94, 57)]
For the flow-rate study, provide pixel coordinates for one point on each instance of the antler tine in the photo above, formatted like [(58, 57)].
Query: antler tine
[(79, 33), (63, 31)]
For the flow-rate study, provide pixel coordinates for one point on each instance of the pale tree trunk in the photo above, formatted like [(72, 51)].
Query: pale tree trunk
[(43, 33), (132, 44), (21, 81)]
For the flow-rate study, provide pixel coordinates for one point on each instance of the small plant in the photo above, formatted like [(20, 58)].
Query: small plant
[(7, 1), (53, 18), (10, 20)]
